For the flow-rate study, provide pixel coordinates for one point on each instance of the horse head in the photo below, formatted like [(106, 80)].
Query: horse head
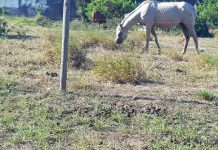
[(121, 34)]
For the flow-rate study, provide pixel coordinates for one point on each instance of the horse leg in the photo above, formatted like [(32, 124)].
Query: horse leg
[(148, 32), (191, 30), (187, 37), (156, 40)]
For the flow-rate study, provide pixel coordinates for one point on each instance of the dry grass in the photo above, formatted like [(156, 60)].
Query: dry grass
[(163, 113)]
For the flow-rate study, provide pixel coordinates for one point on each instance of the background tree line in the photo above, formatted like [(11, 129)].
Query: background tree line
[(207, 9)]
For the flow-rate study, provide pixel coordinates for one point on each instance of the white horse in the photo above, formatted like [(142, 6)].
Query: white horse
[(164, 15)]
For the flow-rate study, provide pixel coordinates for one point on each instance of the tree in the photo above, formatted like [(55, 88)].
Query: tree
[(111, 8), (208, 10), (81, 6)]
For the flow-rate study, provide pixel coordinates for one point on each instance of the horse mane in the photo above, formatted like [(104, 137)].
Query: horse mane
[(138, 7)]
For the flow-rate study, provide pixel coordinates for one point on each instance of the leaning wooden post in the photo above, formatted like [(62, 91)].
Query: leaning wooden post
[(65, 39)]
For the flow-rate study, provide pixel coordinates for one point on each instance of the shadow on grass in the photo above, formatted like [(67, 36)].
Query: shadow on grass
[(143, 82), (20, 37)]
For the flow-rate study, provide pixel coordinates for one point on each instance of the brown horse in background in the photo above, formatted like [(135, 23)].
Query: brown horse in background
[(98, 17)]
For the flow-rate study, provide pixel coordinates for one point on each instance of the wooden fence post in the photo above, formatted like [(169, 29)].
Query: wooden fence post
[(65, 41)]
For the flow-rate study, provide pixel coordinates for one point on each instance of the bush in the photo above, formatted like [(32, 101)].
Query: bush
[(111, 8), (208, 10), (119, 68)]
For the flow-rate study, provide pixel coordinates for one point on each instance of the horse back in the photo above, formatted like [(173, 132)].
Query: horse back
[(170, 14)]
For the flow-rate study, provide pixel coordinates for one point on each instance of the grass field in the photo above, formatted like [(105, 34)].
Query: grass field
[(117, 97)]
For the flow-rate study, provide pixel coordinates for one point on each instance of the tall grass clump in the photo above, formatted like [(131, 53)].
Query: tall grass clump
[(119, 68)]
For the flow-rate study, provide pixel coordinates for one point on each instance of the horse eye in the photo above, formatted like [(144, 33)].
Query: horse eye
[(120, 34)]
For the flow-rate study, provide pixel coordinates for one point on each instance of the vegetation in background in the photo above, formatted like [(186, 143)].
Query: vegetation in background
[(81, 8), (111, 8), (207, 12)]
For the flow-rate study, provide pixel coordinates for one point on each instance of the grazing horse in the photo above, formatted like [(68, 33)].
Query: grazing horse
[(98, 17), (164, 15)]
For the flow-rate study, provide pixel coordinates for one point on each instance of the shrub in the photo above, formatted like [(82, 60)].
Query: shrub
[(111, 8), (208, 10), (119, 68), (81, 5)]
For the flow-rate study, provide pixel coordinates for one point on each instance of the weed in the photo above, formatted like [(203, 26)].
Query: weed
[(206, 95)]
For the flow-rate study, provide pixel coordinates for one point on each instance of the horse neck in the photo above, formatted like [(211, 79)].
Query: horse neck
[(131, 20)]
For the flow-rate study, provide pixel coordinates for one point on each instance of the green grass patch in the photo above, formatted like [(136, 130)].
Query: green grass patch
[(207, 61), (7, 81), (23, 21), (211, 60), (5, 85), (208, 96)]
